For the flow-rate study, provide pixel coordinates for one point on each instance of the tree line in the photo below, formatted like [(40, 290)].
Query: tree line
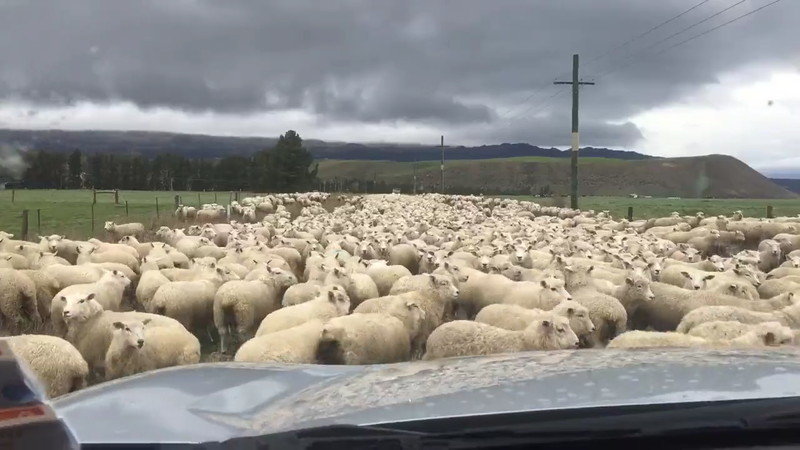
[(283, 168)]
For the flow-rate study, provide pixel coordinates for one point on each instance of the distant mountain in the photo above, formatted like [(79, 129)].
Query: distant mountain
[(410, 153), (788, 183), (149, 144)]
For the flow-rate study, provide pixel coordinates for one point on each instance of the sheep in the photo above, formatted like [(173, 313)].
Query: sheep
[(607, 313), (730, 330), (466, 338), (108, 291), (117, 231), (46, 289), (333, 303), (189, 302), (686, 277), (776, 286), (89, 328), (19, 309), (69, 275), (148, 284), (362, 338), (136, 348), (769, 252), (303, 292), (57, 364), (789, 315), (516, 318), (359, 286), (296, 345), (239, 306), (434, 298), (672, 303), (385, 276), (651, 339), (87, 253)]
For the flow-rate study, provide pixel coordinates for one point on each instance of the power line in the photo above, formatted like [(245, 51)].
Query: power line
[(648, 31), (644, 51), (735, 19)]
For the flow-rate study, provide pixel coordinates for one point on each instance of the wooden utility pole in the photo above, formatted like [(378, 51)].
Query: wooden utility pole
[(442, 166), (414, 189), (576, 84)]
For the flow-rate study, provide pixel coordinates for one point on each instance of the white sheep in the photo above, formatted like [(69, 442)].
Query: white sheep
[(296, 345), (89, 328), (648, 339), (789, 316), (57, 364), (69, 275), (239, 305), (88, 253), (516, 318), (364, 339), (136, 348), (19, 309), (108, 291), (465, 338), (189, 302), (117, 231), (333, 303), (385, 275), (731, 329), (359, 286)]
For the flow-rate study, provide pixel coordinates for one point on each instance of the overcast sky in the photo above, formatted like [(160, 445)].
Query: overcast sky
[(477, 71)]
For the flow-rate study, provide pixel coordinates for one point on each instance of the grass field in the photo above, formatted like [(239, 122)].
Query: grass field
[(70, 211), (654, 207)]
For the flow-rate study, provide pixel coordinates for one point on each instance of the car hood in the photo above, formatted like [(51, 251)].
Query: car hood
[(215, 402)]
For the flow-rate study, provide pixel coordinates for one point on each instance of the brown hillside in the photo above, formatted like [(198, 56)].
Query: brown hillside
[(718, 176)]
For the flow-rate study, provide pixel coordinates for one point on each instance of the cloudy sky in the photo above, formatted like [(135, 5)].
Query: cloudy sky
[(407, 71)]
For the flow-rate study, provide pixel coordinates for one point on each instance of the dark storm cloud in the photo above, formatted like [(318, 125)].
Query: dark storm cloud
[(455, 64)]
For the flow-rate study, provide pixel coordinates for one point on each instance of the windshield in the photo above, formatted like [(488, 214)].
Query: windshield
[(349, 213)]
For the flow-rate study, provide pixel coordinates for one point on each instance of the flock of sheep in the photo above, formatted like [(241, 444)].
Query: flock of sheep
[(390, 278)]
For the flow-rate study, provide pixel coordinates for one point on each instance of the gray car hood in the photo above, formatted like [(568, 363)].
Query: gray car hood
[(215, 402)]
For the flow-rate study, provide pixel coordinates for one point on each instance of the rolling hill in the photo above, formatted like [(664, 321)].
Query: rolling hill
[(718, 176)]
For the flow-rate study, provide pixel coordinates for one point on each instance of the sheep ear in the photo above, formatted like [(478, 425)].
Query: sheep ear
[(769, 338), (146, 321), (732, 287), (546, 323), (432, 278), (570, 311), (686, 274), (119, 325), (543, 283), (708, 277), (737, 271), (114, 272), (591, 268), (331, 296), (629, 281), (90, 296)]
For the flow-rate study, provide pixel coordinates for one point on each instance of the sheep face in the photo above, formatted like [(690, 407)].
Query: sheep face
[(130, 332), (695, 281), (550, 332), (109, 226), (444, 287), (80, 308), (339, 299), (554, 287), (578, 316), (639, 288), (747, 274)]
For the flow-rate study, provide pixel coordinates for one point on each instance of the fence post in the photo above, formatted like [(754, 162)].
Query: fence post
[(94, 196), (24, 225), (769, 212), (92, 218), (630, 213), (39, 221), (198, 201), (126, 208), (157, 216), (13, 194), (215, 197), (116, 196), (177, 201)]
